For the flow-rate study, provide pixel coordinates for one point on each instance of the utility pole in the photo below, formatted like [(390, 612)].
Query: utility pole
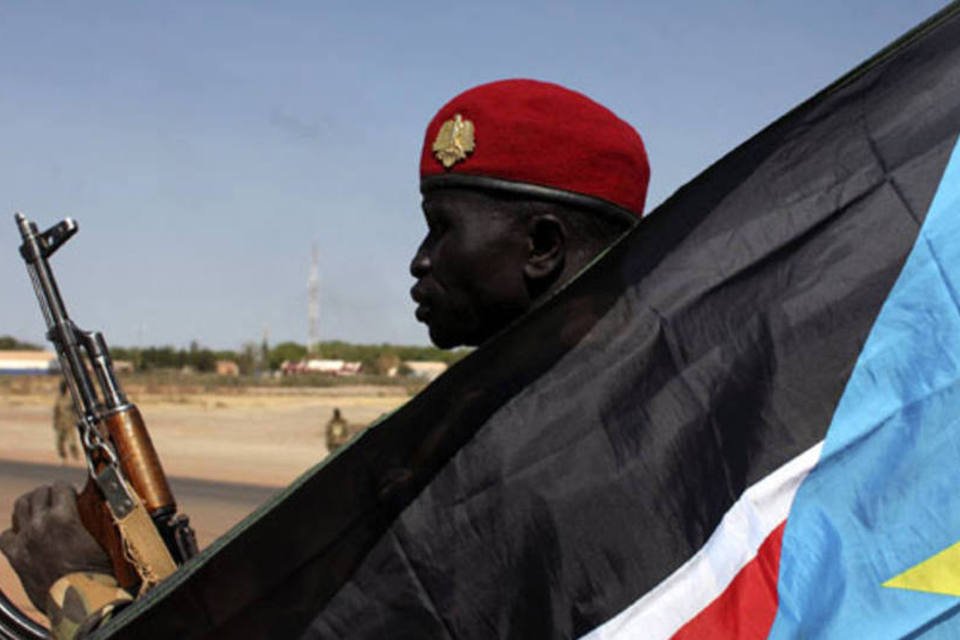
[(313, 305), (261, 355)]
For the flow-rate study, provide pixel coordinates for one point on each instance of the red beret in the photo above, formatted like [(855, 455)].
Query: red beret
[(537, 138)]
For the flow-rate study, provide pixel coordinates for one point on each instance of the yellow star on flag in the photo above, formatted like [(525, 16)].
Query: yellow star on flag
[(937, 574)]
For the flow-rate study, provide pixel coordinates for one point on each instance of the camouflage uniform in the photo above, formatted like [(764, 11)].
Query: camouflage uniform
[(338, 431), (64, 426), (79, 603)]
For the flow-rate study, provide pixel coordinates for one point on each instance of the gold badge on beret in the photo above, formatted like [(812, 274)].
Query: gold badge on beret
[(454, 141)]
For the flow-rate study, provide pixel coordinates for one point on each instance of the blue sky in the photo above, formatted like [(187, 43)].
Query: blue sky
[(204, 147)]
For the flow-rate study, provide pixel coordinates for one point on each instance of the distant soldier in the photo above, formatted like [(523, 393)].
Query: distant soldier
[(338, 431), (65, 425)]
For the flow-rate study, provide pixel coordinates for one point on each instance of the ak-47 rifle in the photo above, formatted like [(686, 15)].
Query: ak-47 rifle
[(126, 504)]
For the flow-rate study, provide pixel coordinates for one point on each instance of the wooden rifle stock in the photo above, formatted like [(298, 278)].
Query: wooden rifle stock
[(96, 518), (141, 466)]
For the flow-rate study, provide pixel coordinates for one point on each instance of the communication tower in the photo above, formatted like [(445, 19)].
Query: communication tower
[(313, 304)]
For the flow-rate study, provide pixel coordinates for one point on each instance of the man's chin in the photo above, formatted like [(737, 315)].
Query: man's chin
[(443, 339), (449, 330)]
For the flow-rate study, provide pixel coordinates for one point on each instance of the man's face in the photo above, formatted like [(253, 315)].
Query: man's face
[(469, 267)]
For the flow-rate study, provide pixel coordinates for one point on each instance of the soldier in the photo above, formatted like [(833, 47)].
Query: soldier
[(65, 425), (523, 184), (337, 430)]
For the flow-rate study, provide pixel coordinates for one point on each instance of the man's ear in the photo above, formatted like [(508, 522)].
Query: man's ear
[(547, 244)]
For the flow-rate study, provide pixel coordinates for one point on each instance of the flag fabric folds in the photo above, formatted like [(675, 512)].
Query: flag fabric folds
[(739, 422), (883, 496)]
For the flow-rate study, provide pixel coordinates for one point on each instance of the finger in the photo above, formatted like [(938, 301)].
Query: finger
[(63, 498), (39, 499), (21, 512), (8, 542)]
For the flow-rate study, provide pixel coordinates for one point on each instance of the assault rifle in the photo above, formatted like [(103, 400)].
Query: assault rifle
[(127, 504)]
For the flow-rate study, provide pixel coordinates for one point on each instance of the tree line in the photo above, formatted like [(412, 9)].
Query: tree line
[(251, 358), (374, 358), (9, 343)]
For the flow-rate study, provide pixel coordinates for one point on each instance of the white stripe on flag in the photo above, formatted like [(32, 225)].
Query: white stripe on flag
[(663, 610)]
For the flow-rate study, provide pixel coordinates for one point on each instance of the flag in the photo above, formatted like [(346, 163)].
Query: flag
[(739, 422)]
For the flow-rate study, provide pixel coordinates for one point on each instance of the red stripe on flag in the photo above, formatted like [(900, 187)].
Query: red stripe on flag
[(747, 607)]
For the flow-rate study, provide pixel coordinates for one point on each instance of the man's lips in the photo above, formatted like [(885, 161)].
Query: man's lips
[(423, 306), (417, 293), (422, 313)]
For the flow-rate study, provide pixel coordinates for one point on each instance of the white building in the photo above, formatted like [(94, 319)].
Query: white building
[(320, 365), (426, 369), (28, 362)]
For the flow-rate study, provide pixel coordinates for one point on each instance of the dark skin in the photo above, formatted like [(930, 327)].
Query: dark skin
[(482, 265), (47, 541), (486, 260)]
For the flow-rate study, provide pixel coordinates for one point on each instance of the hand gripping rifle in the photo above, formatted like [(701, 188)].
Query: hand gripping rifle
[(126, 504)]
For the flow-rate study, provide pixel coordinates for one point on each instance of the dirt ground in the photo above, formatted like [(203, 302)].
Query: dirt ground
[(263, 437), (259, 436)]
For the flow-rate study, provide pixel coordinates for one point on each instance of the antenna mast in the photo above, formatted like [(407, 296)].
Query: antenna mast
[(313, 304)]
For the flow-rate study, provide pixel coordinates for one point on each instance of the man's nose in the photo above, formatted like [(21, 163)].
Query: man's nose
[(420, 265)]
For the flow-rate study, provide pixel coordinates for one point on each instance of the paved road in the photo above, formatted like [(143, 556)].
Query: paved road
[(213, 507), (33, 473)]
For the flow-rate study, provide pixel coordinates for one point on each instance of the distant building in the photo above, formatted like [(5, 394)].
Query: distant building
[(350, 369), (426, 369), (28, 362), (227, 368), (123, 366), (318, 365)]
